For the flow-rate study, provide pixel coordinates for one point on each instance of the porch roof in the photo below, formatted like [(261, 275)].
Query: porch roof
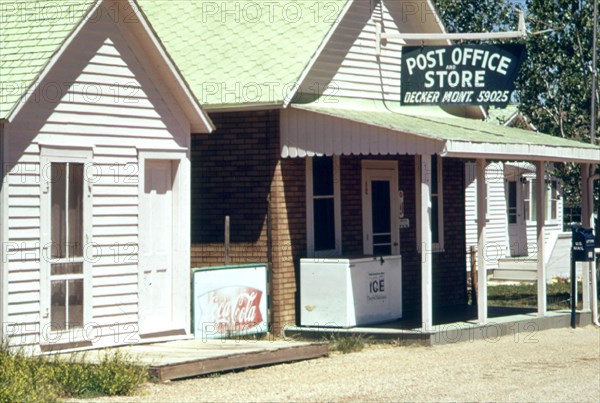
[(418, 130)]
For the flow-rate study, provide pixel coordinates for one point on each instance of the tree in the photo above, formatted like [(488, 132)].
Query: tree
[(554, 86), (476, 16)]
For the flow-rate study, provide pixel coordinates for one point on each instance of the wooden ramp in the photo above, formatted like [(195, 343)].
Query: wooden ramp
[(189, 358)]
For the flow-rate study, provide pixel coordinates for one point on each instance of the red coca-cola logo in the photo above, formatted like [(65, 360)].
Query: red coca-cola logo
[(233, 309)]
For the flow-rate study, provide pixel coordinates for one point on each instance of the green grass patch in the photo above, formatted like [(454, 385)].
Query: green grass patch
[(525, 295), (346, 344), (47, 379)]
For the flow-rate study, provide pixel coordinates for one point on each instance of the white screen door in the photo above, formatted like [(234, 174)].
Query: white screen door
[(517, 231), (380, 207), (156, 247)]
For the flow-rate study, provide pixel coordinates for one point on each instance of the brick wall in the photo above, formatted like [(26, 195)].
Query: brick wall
[(449, 268), (289, 238), (234, 172), (238, 168)]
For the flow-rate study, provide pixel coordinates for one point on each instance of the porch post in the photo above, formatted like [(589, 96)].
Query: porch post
[(426, 246), (540, 194), (587, 209), (482, 300)]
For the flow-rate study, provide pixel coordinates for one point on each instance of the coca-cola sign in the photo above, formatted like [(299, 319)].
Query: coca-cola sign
[(230, 301), (232, 309)]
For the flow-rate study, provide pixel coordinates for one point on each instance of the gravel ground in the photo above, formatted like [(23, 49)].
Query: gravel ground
[(556, 365)]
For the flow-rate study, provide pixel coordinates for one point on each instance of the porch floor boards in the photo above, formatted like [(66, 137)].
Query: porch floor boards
[(453, 327), (190, 358)]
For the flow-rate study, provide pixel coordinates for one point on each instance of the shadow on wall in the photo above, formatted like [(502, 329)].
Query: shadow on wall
[(232, 172)]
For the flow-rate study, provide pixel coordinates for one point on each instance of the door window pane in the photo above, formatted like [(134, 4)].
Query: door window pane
[(58, 183), (380, 199), (382, 250), (75, 223), (58, 310), (381, 214), (75, 311), (512, 202)]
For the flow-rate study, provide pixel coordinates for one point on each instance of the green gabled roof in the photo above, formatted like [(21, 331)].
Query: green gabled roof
[(500, 116), (234, 52), (31, 33), (434, 123)]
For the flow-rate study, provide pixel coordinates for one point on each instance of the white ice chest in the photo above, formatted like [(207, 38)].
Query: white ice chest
[(345, 292)]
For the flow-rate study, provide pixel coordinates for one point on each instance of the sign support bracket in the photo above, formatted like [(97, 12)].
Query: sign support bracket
[(467, 36)]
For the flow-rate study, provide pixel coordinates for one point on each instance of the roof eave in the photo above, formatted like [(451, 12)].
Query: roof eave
[(250, 107), (524, 152), (317, 54)]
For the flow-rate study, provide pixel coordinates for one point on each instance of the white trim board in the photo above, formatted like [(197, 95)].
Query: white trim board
[(3, 232)]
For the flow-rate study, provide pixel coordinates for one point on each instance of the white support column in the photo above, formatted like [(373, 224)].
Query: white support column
[(587, 210), (426, 246), (540, 204), (482, 299)]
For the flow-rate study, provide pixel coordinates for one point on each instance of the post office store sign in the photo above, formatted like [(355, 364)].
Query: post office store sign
[(460, 75)]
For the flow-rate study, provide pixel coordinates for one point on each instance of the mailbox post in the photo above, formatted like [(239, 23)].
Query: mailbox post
[(582, 250)]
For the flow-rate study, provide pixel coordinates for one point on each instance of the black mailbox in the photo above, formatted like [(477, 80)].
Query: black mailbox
[(583, 244)]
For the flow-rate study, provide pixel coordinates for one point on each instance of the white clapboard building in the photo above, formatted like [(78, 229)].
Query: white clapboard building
[(511, 236), (95, 124)]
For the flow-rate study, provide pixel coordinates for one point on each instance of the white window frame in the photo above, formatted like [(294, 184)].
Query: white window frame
[(337, 205), (531, 183), (549, 219), (437, 247), (74, 155)]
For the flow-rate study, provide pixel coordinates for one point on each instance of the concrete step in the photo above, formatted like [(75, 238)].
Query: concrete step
[(516, 270)]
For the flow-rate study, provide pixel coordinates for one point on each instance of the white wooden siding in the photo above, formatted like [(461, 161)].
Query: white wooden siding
[(349, 67), (496, 229), (115, 107), (497, 242)]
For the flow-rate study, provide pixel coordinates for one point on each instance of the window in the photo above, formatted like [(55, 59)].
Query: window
[(551, 203), (437, 203), (324, 208), (66, 250)]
